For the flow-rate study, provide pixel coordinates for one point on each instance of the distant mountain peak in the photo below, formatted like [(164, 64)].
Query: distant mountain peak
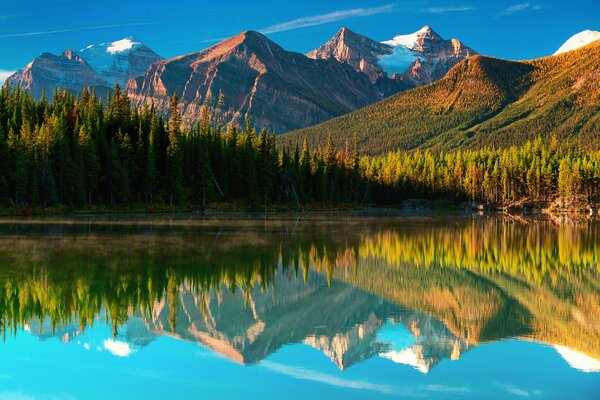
[(97, 65), (578, 40), (119, 60)]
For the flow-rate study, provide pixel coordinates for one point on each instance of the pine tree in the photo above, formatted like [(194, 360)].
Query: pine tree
[(174, 154)]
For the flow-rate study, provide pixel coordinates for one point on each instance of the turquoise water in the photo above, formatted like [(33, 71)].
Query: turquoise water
[(331, 308)]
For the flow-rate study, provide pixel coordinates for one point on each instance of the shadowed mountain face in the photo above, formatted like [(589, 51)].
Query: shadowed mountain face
[(251, 76), (47, 72), (413, 292)]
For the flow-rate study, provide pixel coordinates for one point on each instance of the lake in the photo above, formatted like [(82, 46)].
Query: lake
[(300, 306)]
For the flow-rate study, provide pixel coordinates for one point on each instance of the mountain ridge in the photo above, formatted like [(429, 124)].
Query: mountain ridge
[(245, 76), (482, 101), (250, 75)]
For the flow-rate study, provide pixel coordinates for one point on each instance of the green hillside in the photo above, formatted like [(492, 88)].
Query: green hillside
[(480, 102)]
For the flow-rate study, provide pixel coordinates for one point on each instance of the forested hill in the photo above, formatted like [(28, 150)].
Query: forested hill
[(481, 102)]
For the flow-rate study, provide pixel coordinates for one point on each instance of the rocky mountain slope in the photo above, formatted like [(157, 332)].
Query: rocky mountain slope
[(482, 101), (358, 51), (96, 66), (409, 60), (250, 76), (48, 71)]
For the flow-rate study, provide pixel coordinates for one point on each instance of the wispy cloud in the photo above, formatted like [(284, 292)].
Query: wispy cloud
[(518, 8), (516, 391), (443, 10), (306, 374), (4, 74), (447, 389), (6, 395), (87, 28), (321, 19)]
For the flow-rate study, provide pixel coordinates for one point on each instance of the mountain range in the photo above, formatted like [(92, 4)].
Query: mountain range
[(415, 90), (250, 76), (481, 101)]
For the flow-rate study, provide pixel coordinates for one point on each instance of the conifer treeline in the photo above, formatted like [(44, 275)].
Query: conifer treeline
[(80, 152)]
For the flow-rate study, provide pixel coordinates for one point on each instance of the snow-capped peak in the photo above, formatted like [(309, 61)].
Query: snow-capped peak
[(119, 60), (579, 40), (121, 45), (409, 41)]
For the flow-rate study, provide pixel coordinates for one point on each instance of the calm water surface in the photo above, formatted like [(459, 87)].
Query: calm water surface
[(298, 308)]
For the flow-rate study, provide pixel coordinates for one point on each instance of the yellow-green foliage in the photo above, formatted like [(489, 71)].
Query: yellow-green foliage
[(481, 102)]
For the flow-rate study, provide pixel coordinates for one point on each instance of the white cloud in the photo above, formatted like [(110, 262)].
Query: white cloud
[(443, 10), (118, 348), (518, 8), (327, 18), (4, 74), (88, 28)]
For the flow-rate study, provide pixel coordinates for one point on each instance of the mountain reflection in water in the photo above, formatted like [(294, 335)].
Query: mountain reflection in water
[(414, 291)]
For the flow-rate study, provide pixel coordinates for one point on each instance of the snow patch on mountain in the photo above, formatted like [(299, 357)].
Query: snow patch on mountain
[(408, 41), (121, 45), (578, 360), (578, 40), (409, 356), (405, 51), (397, 62)]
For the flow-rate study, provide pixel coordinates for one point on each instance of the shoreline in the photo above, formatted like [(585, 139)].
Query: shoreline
[(409, 208)]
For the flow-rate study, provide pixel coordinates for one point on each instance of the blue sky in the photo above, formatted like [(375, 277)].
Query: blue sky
[(517, 29), (89, 368)]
